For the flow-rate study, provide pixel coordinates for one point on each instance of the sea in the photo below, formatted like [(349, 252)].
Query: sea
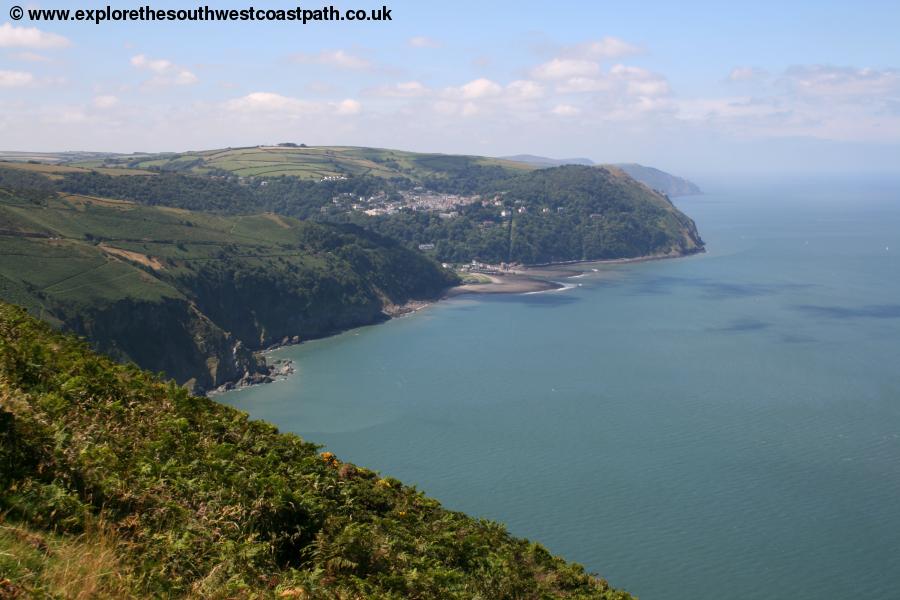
[(725, 425)]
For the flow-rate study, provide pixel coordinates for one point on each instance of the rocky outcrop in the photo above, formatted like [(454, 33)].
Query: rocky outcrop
[(172, 336)]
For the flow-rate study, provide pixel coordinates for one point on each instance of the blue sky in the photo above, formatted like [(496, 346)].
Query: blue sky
[(696, 87)]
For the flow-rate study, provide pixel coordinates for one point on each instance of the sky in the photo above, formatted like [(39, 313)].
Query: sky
[(693, 87)]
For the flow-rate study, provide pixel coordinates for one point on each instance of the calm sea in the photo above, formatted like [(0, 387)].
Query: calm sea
[(720, 426)]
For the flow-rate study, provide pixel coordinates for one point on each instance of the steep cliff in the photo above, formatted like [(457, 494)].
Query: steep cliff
[(194, 294), (170, 335)]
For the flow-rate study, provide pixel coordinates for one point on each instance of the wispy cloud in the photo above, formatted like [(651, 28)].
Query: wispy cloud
[(566, 110), (105, 102), (405, 89), (605, 48), (30, 37), (744, 74), (480, 88), (32, 57), (269, 103), (565, 68), (421, 41), (846, 82), (340, 59), (14, 79), (348, 107), (165, 72)]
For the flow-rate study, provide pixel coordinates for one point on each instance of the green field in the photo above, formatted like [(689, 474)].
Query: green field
[(55, 170), (86, 249), (203, 289), (54, 249), (314, 163)]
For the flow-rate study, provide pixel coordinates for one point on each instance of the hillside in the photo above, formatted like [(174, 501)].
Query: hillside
[(543, 161), (476, 211), (558, 214), (116, 485), (312, 163), (667, 183), (189, 293), (319, 163), (655, 179), (190, 273)]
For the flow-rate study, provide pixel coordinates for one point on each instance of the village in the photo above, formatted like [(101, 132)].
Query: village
[(417, 199), (422, 199)]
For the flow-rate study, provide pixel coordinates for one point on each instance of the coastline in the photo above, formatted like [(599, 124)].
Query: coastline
[(508, 283), (524, 280), (540, 277)]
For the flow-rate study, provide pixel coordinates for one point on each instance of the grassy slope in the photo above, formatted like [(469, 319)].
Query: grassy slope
[(572, 212), (106, 471), (309, 163), (165, 243), (111, 269), (56, 171)]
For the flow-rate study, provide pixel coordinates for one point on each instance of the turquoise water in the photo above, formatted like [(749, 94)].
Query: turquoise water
[(720, 426)]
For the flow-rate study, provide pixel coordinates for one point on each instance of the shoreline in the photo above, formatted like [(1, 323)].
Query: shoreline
[(525, 280), (539, 277), (507, 283)]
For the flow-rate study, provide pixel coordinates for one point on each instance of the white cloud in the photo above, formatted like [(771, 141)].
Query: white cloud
[(32, 57), (11, 79), (604, 48), (334, 58), (578, 85), (629, 72), (105, 102), (185, 77), (566, 68), (566, 110), (518, 99), (421, 41), (726, 108), (525, 89), (813, 101), (29, 37), (480, 88), (406, 89), (348, 107), (166, 72), (269, 103), (157, 66), (470, 109), (744, 74), (819, 80), (641, 82), (655, 87)]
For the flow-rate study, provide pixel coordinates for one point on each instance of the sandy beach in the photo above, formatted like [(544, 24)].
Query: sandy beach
[(508, 283), (540, 278)]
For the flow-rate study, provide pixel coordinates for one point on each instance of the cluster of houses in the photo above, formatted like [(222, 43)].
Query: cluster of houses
[(421, 199), (488, 269), (416, 199)]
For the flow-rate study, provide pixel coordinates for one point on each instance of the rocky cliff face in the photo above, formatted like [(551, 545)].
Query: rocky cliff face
[(172, 336)]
